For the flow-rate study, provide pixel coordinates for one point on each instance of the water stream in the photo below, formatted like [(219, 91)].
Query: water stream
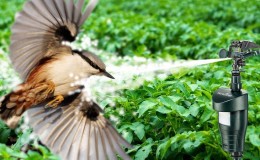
[(131, 72)]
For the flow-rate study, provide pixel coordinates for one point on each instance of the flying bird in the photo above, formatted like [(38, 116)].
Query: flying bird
[(66, 121)]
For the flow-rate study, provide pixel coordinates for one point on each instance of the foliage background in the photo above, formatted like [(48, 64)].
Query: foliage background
[(171, 118)]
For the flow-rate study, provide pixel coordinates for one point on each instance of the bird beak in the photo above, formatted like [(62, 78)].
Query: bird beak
[(105, 73)]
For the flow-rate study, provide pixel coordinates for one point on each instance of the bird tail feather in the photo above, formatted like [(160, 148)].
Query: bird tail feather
[(8, 112)]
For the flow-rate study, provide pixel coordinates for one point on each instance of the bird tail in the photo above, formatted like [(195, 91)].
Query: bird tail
[(8, 112), (14, 104), (77, 130)]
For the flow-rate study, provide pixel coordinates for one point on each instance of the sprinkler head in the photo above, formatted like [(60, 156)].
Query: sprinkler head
[(240, 49)]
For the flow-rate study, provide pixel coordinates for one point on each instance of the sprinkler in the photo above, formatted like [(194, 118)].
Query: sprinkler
[(232, 104)]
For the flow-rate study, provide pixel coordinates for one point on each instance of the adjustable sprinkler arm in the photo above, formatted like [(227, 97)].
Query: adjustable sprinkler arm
[(232, 104)]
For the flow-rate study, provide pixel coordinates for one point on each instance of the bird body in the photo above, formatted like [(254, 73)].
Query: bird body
[(67, 121), (62, 69)]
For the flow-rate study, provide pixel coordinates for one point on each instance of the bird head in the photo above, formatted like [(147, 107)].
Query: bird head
[(93, 64)]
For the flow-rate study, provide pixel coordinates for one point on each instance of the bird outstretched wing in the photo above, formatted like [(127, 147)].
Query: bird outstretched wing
[(77, 130), (41, 26)]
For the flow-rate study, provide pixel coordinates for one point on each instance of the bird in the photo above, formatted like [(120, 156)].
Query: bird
[(68, 122)]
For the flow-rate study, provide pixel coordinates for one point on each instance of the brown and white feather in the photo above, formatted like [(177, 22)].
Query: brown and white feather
[(77, 131)]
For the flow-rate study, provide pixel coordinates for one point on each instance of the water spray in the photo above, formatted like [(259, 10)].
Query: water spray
[(232, 104)]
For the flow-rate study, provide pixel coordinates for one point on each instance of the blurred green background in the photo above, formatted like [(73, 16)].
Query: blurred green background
[(178, 109)]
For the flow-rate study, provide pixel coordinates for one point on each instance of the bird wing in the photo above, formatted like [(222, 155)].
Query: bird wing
[(77, 130), (43, 25)]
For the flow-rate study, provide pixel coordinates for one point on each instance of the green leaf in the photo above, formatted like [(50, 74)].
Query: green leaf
[(175, 98), (32, 155), (253, 133), (143, 152), (193, 87), (138, 129), (188, 146), (6, 153), (166, 101), (144, 106), (163, 110), (219, 74), (163, 148), (200, 156), (181, 110), (208, 94), (183, 89), (23, 139), (128, 135), (255, 139), (206, 115), (4, 133), (194, 109)]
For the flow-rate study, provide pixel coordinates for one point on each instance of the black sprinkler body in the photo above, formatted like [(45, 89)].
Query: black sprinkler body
[(232, 104)]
